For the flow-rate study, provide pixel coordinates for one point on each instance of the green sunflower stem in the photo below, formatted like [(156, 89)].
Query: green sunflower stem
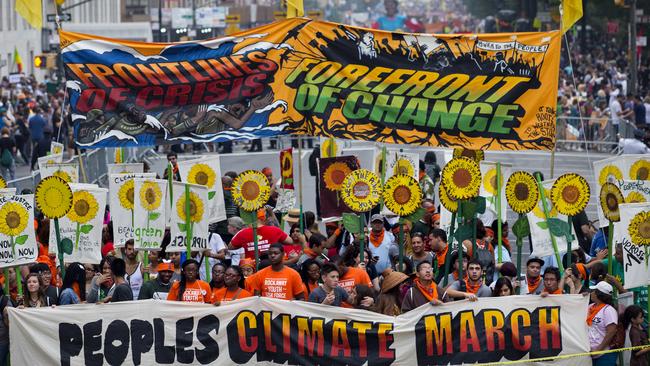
[(59, 248), (145, 259), (610, 247), (569, 240), (188, 223), (450, 241), (255, 246), (499, 219), (401, 244), (460, 249), (542, 195), (519, 246), (13, 247), (362, 236), (77, 234)]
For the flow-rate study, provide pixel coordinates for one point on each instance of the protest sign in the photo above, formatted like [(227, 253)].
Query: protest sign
[(7, 191), (49, 159), (196, 225), (56, 148), (635, 263), (331, 173), (122, 197), (342, 81), (18, 244), (399, 162), (489, 190), (124, 168), (150, 196), (206, 172), (69, 172), (81, 228), (286, 169), (269, 331)]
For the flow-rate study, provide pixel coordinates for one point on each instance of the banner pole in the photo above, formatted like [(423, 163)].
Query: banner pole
[(188, 223), (59, 249), (499, 219), (460, 250), (610, 247), (19, 280), (569, 240), (83, 169), (382, 175), (362, 238), (545, 207), (450, 241), (519, 246)]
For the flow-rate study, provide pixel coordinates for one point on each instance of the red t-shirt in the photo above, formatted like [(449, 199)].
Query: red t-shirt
[(266, 235)]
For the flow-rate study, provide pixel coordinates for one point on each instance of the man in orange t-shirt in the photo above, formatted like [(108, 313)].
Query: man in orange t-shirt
[(277, 281), (352, 276)]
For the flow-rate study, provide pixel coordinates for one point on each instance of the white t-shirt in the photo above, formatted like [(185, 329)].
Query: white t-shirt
[(632, 146), (616, 110), (647, 112), (598, 328)]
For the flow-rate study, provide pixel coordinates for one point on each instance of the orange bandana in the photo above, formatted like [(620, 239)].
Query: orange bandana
[(472, 288), (593, 310), (532, 286), (556, 292), (430, 292), (376, 240)]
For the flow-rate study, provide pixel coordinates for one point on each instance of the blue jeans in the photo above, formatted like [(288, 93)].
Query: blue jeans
[(608, 359)]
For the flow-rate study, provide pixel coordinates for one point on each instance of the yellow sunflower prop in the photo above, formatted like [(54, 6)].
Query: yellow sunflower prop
[(286, 162), (63, 175), (640, 170), (476, 155), (150, 196), (404, 167), (447, 202), (251, 190), (490, 181), (13, 218), (84, 207), (53, 197), (639, 228), (126, 193), (522, 192), (635, 197), (202, 174), (402, 194), (610, 199), (570, 194), (196, 208), (335, 174), (609, 173), (361, 190), (462, 178), (3, 183)]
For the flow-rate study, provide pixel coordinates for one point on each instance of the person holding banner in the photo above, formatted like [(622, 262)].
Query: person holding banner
[(102, 284), (73, 290), (277, 281), (35, 296), (159, 287), (329, 292), (424, 289), (473, 285), (552, 283), (233, 289), (532, 284), (602, 320), (52, 292), (134, 268), (190, 288)]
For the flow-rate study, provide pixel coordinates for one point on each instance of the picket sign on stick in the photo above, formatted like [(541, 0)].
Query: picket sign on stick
[(301, 222), (188, 222), (499, 219), (546, 217), (450, 241)]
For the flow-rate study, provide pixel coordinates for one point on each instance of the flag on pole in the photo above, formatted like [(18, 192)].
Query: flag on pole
[(31, 11), (18, 61), (295, 8), (571, 13)]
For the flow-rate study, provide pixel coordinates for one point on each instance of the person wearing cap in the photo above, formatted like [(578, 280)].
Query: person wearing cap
[(247, 267), (473, 286), (389, 301), (424, 289), (159, 287), (552, 283), (267, 235), (381, 242), (532, 284), (602, 320)]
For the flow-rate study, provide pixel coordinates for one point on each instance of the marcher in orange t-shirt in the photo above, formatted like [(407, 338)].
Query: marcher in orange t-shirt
[(233, 279), (350, 276), (190, 288), (277, 281)]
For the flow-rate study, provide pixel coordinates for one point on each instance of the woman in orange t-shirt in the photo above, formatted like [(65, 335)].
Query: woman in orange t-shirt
[(233, 279), (190, 288), (310, 274)]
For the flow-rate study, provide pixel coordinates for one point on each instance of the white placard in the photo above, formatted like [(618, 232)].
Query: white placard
[(634, 256), (121, 192), (206, 171), (69, 172), (49, 159), (18, 244), (149, 213), (198, 215)]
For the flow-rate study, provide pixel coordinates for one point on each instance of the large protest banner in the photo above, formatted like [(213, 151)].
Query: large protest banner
[(302, 76), (253, 330)]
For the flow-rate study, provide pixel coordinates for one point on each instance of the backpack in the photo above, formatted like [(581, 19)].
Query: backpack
[(6, 159)]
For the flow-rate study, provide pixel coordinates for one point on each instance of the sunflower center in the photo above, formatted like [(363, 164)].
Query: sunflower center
[(81, 207), (402, 195), (361, 190), (462, 178), (129, 194), (493, 182), (338, 176), (642, 173), (250, 190), (571, 194), (201, 178), (192, 208), (612, 202), (521, 191), (53, 197), (644, 229), (13, 219), (150, 196)]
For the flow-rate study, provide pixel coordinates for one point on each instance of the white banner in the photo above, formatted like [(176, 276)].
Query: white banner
[(81, 228), (206, 171), (69, 172), (198, 222), (125, 168), (121, 200), (254, 331), (539, 232), (489, 190), (17, 239), (149, 213), (634, 256), (49, 159)]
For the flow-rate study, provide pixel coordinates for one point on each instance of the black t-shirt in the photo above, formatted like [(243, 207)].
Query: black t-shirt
[(52, 293), (7, 143), (122, 292), (577, 221)]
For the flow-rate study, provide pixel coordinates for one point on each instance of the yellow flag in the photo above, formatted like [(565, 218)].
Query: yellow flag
[(32, 11), (571, 13), (295, 8)]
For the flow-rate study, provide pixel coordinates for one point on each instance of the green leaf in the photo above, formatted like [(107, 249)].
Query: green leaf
[(181, 227), (521, 228), (211, 194), (416, 216), (66, 246), (153, 216), (558, 227), (542, 225), (249, 217), (463, 232), (351, 223), (468, 208), (21, 239), (86, 228), (480, 204)]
